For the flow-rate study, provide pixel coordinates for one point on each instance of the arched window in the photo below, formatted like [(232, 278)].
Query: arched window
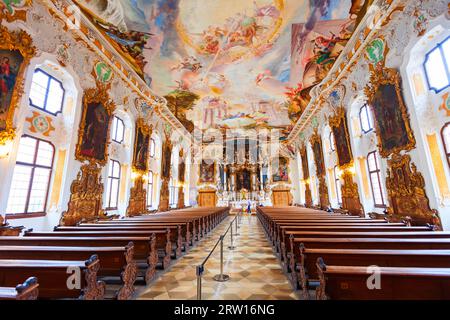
[(365, 118), (150, 189), (445, 134), (152, 148), (112, 191), (173, 194), (332, 141), (437, 66), (118, 133), (31, 178), (46, 92), (337, 183), (375, 179)]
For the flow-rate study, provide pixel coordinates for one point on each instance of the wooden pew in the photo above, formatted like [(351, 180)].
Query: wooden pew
[(307, 268), (144, 247), (166, 236), (54, 277), (29, 290), (360, 243), (350, 283), (115, 261)]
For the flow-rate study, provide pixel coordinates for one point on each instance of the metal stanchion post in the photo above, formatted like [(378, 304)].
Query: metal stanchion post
[(236, 226), (199, 272), (231, 246), (221, 277)]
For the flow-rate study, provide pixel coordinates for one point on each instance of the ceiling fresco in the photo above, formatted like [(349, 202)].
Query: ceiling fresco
[(229, 63)]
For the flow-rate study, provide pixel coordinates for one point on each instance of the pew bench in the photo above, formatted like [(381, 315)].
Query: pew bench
[(29, 290), (350, 283), (117, 262), (54, 277)]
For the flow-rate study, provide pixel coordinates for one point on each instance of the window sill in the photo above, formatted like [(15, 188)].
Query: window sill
[(10, 216)]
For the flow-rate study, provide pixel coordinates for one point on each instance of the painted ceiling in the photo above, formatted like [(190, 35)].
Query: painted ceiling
[(229, 63)]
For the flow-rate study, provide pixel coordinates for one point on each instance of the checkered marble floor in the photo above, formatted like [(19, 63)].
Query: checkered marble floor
[(254, 270)]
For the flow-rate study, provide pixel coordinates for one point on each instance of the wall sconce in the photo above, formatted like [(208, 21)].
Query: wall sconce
[(5, 148)]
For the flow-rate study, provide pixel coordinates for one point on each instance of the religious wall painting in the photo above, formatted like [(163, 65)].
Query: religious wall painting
[(375, 51), (207, 171), (316, 144), (390, 113), (141, 146), (16, 50), (166, 158), (339, 127), (281, 172), (93, 136), (305, 168)]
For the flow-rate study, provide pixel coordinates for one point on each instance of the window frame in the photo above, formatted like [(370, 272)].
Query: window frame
[(116, 119), (331, 141), (152, 143), (447, 152), (336, 181), (150, 182), (438, 46), (368, 109), (108, 200), (33, 166), (50, 78), (378, 173)]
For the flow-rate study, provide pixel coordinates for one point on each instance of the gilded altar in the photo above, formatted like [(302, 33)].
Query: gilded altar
[(350, 195), (86, 193), (137, 204), (406, 193)]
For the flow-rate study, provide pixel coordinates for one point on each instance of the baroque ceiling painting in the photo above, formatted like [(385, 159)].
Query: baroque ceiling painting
[(203, 55)]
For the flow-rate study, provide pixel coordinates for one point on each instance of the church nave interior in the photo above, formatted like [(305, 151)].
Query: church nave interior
[(224, 150)]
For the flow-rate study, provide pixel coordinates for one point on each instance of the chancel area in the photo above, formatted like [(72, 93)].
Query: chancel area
[(224, 150)]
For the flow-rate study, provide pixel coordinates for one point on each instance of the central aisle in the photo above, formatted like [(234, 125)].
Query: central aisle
[(254, 270)]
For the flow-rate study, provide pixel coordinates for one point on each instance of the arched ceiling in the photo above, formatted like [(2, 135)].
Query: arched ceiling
[(229, 63)]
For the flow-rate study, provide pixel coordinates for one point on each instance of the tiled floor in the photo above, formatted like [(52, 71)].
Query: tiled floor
[(254, 270)]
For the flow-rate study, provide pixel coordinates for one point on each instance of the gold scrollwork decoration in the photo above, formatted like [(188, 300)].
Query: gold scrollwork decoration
[(22, 42), (95, 95), (389, 77)]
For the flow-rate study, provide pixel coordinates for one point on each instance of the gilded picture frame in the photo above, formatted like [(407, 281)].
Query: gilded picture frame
[(305, 166), (339, 127), (141, 150), (393, 135), (316, 145), (22, 42), (202, 170), (92, 97)]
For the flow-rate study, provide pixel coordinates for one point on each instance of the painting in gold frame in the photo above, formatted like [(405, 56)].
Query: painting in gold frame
[(305, 167), (141, 146), (281, 173), (16, 51), (207, 171), (339, 127), (316, 145), (94, 132), (389, 112)]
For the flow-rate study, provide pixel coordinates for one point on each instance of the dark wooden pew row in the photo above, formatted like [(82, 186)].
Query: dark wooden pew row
[(284, 237), (307, 267), (404, 283), (284, 242), (144, 247), (360, 243), (163, 244), (169, 236), (54, 277), (116, 262), (186, 233), (29, 290)]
